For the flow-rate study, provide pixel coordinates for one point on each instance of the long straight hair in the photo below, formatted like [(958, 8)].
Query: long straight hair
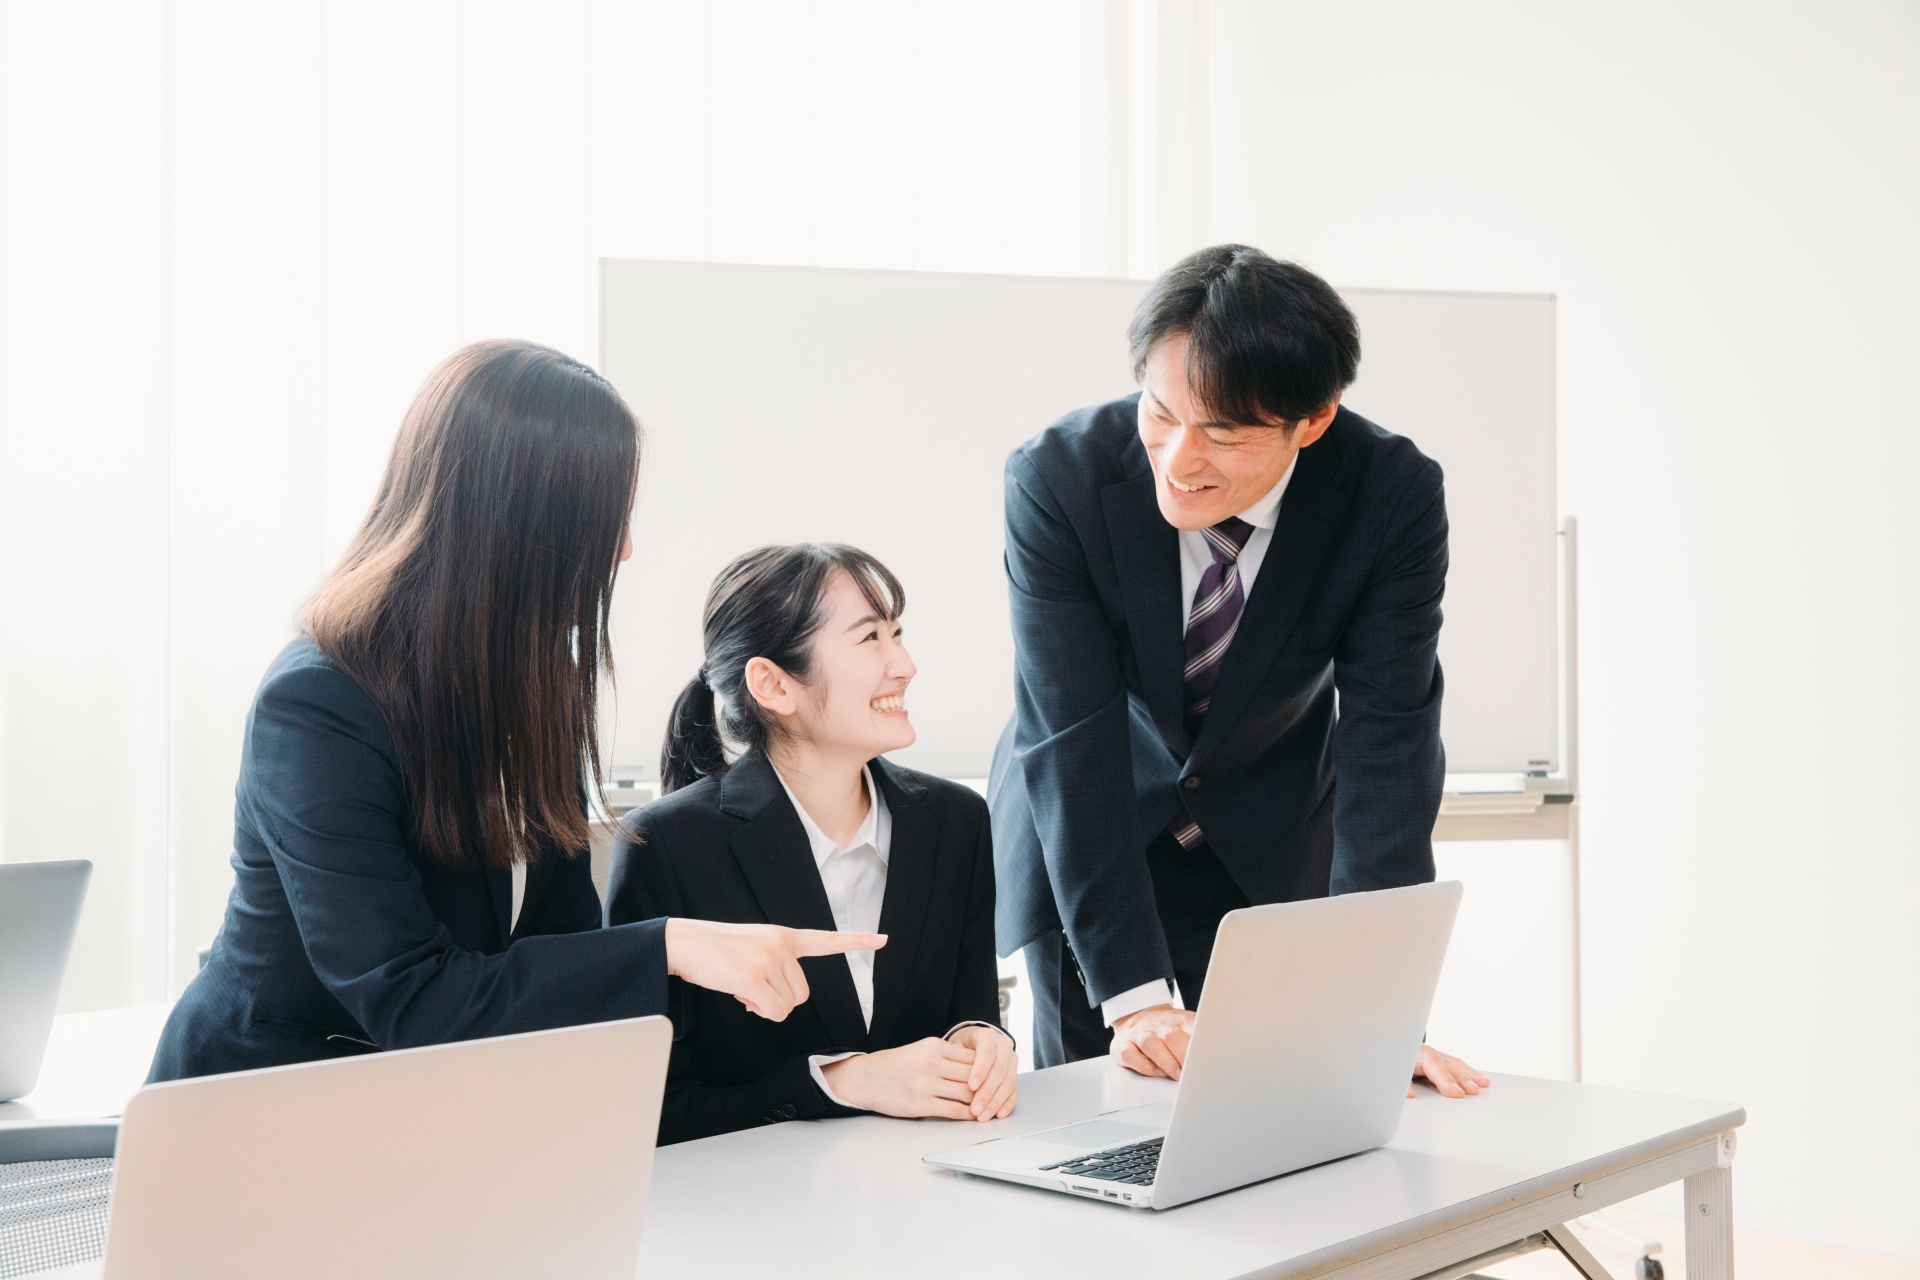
[(769, 603), (472, 604)]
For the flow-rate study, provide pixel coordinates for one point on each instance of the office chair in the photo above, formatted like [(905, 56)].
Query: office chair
[(55, 1178)]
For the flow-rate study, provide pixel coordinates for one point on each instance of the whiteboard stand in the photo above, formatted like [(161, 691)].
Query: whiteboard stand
[(1547, 805), (1570, 755), (1647, 1266)]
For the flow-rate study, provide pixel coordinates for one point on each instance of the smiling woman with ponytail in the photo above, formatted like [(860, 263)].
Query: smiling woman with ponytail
[(805, 675), (410, 836)]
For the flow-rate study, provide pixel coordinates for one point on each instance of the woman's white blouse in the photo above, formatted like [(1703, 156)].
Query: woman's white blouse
[(855, 879)]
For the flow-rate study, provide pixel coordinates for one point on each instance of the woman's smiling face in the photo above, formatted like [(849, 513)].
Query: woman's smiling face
[(855, 700)]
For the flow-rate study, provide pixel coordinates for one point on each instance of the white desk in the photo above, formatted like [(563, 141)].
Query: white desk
[(850, 1198)]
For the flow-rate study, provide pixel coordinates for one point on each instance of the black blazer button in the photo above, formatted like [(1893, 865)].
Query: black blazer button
[(1192, 783), (788, 1111)]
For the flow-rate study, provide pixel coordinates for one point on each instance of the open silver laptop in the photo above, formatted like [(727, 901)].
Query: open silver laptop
[(1302, 1046), (518, 1156), (39, 911)]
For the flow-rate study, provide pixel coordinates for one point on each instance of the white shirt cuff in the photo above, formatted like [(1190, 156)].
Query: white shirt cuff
[(819, 1060), (1144, 996)]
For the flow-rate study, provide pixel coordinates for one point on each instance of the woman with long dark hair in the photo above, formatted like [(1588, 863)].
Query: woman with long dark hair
[(812, 827), (410, 827)]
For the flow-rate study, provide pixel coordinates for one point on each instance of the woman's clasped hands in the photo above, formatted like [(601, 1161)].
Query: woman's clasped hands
[(973, 1074)]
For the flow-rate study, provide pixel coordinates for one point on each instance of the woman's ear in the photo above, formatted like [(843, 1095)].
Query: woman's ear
[(771, 687)]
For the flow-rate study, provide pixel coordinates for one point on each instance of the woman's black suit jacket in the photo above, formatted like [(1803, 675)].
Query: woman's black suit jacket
[(731, 848), (339, 939)]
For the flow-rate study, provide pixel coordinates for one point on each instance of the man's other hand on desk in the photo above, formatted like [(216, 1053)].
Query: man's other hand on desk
[(1153, 1042), (1452, 1077)]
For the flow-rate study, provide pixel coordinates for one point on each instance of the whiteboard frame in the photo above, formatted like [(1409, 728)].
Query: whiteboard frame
[(1359, 296)]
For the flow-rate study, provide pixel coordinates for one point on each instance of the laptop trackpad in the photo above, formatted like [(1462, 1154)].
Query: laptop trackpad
[(1095, 1133)]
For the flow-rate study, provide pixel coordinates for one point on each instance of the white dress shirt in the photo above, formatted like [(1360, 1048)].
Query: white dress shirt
[(1194, 560), (1194, 556), (855, 879), (519, 894)]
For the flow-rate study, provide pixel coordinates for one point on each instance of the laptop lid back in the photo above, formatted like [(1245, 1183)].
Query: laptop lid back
[(39, 911), (509, 1157), (1306, 1036)]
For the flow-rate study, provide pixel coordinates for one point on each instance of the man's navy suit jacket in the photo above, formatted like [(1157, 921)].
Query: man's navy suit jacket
[(1299, 795)]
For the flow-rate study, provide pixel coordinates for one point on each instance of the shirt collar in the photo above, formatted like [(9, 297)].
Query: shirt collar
[(1264, 513), (872, 833)]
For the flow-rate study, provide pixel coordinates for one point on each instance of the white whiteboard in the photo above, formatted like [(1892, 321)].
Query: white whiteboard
[(788, 404), (1469, 377)]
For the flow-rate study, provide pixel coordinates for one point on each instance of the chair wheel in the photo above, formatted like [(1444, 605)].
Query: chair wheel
[(1649, 1269)]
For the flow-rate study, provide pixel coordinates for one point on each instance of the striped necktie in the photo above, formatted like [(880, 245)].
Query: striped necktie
[(1215, 616)]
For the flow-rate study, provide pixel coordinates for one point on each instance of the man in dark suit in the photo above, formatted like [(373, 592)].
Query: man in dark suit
[(1226, 605)]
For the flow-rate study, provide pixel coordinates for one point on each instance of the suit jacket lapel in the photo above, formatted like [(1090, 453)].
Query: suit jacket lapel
[(903, 912), (1146, 555), (776, 859), (1315, 500), (500, 893)]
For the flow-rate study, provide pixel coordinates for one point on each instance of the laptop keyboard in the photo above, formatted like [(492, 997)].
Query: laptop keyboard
[(1133, 1164)]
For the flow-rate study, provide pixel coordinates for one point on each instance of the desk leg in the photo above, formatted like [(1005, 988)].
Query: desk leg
[(1710, 1219), (1563, 1239)]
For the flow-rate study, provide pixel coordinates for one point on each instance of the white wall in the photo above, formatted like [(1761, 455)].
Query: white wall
[(1724, 197), (83, 473), (235, 237)]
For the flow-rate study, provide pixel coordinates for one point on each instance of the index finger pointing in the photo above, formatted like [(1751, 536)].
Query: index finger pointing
[(819, 942)]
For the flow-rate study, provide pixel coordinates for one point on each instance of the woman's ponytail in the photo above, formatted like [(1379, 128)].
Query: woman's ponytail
[(692, 749)]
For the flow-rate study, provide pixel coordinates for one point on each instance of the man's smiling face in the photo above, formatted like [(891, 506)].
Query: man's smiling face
[(1205, 470)]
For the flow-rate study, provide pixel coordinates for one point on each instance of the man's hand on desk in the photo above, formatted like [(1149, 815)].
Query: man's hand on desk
[(1153, 1041), (1452, 1077)]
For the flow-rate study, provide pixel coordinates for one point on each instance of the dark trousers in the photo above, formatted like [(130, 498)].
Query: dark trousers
[(1192, 891)]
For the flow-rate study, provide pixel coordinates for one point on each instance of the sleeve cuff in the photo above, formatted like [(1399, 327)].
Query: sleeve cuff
[(975, 1022), (819, 1060), (1144, 996), (651, 973)]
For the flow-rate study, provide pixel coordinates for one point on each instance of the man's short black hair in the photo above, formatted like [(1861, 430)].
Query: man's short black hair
[(1267, 340)]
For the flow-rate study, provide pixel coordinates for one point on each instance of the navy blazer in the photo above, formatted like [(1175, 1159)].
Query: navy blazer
[(731, 848), (340, 939), (1295, 800)]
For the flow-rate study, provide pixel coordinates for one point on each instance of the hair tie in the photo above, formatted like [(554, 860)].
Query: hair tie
[(700, 674)]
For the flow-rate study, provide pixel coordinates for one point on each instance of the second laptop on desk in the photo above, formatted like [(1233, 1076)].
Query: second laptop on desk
[(1302, 1046), (524, 1155)]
